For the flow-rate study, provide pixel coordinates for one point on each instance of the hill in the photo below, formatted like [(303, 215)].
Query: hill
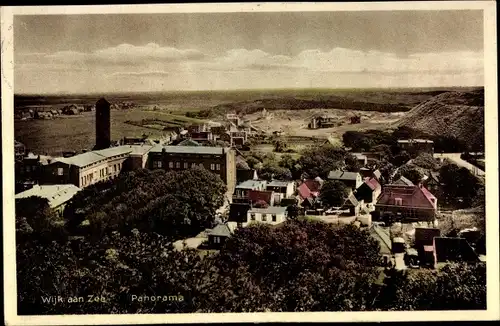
[(451, 114)]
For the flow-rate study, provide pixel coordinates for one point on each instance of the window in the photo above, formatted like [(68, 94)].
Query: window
[(81, 181), (216, 240), (398, 201), (156, 164), (252, 217), (186, 165), (264, 217), (193, 165), (171, 165), (106, 170), (217, 167), (28, 168), (177, 165), (212, 166), (274, 217), (60, 171)]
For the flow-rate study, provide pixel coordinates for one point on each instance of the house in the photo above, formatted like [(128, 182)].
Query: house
[(19, 150), (238, 138), (382, 236), (402, 181), (352, 204), (407, 203), (271, 215), (369, 191), (202, 136), (261, 196), (286, 188), (242, 190), (355, 119), (238, 214), (351, 179), (233, 118), (321, 122), (433, 182), (57, 195), (218, 236), (367, 172), (310, 188), (361, 158), (416, 146), (243, 175)]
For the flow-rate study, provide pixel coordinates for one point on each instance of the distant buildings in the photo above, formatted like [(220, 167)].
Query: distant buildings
[(416, 146), (321, 122), (102, 124), (19, 150)]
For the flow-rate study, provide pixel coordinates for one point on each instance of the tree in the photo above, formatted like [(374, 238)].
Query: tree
[(459, 183), (35, 218), (252, 162), (333, 193), (426, 161), (270, 171), (151, 201), (352, 163), (411, 172), (280, 146), (401, 158), (318, 161)]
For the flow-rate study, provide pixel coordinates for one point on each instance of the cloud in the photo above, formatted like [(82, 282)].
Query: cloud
[(127, 66)]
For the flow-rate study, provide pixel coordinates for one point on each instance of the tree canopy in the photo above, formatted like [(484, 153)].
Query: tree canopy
[(333, 193), (318, 161)]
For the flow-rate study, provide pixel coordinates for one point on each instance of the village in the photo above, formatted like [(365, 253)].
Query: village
[(402, 215)]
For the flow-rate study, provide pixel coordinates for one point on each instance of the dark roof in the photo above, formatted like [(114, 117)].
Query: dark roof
[(258, 195), (243, 175), (221, 230), (453, 249), (425, 236), (191, 150), (278, 183), (188, 142), (102, 101), (238, 212)]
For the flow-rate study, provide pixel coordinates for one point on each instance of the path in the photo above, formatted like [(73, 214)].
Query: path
[(455, 158)]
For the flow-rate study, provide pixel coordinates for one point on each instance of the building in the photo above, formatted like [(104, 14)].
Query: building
[(448, 249), (89, 168), (361, 158), (238, 138), (188, 142), (406, 203), (433, 182), (271, 215), (238, 214), (416, 146), (355, 119), (19, 150), (283, 189), (369, 191), (202, 137), (218, 235), (352, 204), (102, 124), (242, 190), (351, 179), (57, 195), (403, 181), (321, 122), (219, 160)]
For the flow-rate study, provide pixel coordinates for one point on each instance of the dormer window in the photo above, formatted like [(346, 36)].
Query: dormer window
[(398, 201)]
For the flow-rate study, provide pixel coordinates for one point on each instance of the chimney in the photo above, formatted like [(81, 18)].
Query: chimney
[(102, 124)]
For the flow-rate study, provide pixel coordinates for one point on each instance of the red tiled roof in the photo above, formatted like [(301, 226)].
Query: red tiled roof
[(313, 185), (260, 195), (304, 191), (411, 196), (372, 183), (427, 194)]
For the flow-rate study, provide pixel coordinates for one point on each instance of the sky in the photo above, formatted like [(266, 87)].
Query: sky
[(226, 51)]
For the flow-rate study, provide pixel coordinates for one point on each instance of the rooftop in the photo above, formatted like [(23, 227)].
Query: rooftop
[(55, 194), (342, 175), (252, 184), (269, 210), (278, 183), (221, 230), (192, 150), (424, 141)]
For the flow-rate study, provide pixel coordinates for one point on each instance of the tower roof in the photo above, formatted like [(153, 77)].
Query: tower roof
[(102, 101)]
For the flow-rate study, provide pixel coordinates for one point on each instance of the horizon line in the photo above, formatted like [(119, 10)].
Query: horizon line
[(246, 90)]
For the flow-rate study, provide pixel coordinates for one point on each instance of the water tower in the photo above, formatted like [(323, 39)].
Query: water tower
[(102, 124)]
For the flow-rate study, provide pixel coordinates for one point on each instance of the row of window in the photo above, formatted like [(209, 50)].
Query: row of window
[(185, 165), (264, 217), (87, 179)]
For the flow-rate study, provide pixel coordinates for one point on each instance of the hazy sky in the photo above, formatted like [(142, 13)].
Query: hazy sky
[(203, 51)]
